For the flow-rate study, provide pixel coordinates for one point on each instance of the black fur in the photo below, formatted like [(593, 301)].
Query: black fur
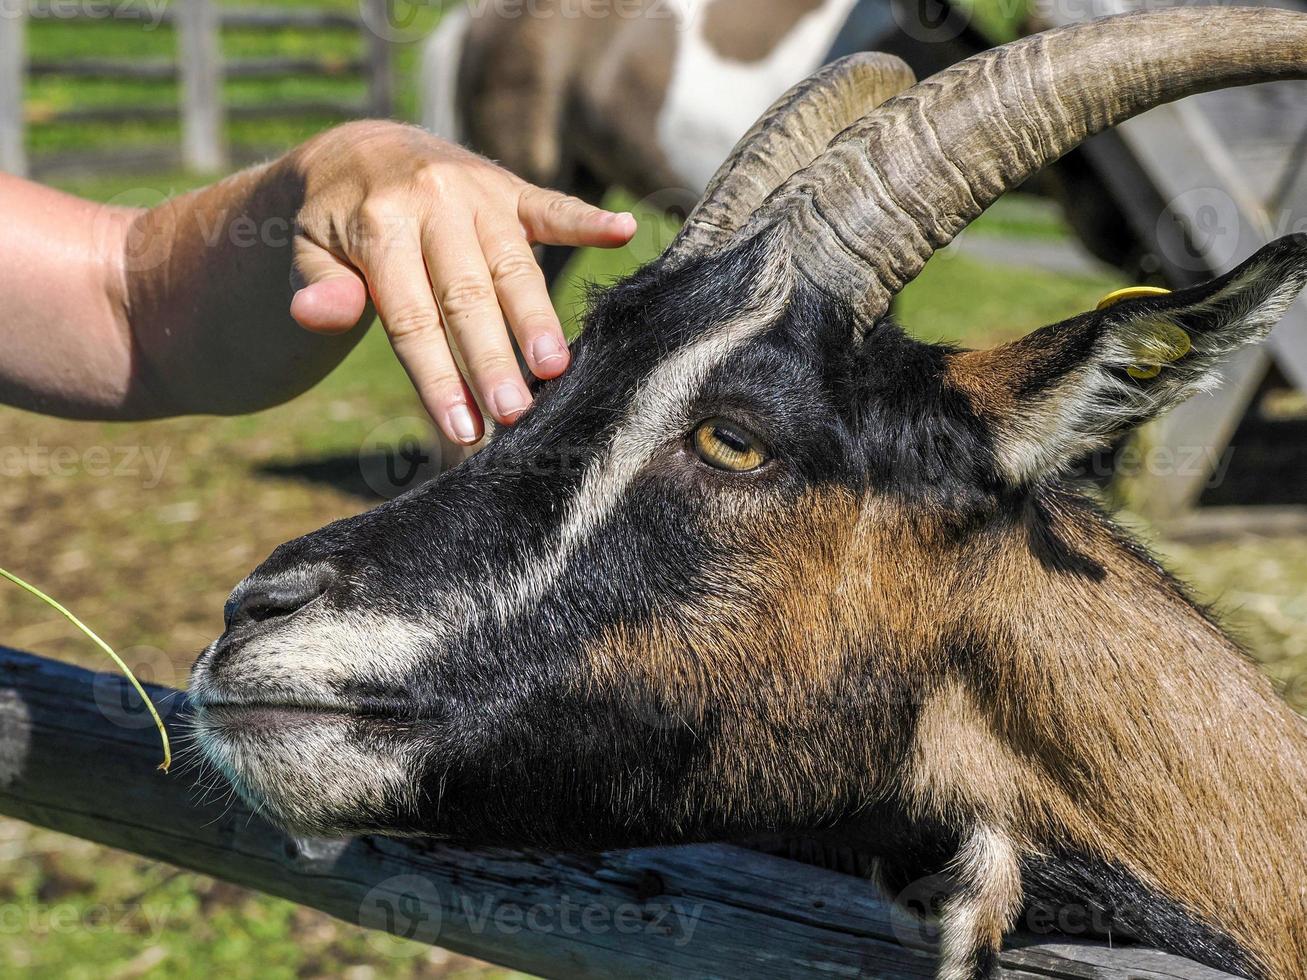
[(1083, 897)]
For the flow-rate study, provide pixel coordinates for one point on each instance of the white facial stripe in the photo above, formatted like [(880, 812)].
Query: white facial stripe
[(657, 412), (315, 651)]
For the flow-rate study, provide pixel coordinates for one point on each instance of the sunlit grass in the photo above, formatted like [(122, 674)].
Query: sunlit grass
[(50, 40)]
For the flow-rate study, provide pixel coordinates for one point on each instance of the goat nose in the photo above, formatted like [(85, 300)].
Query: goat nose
[(274, 596)]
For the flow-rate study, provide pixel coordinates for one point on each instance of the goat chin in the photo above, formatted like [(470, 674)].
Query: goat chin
[(309, 770)]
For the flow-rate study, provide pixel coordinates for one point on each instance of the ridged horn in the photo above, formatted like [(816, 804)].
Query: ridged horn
[(788, 137), (865, 217)]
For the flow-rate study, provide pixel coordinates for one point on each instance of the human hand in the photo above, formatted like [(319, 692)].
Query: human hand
[(440, 240)]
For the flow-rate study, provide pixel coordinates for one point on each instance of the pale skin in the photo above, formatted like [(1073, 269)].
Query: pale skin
[(243, 294)]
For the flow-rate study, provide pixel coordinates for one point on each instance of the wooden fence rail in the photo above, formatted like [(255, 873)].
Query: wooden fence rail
[(271, 17), (166, 70), (76, 757), (199, 67)]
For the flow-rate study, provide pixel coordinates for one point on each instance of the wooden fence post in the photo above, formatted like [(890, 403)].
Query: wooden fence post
[(381, 86), (13, 70), (199, 50)]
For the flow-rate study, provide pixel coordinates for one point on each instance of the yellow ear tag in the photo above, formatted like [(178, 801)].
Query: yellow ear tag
[(1130, 292), (1165, 342)]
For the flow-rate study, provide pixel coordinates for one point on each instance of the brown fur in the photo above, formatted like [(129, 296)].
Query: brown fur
[(750, 30), (1111, 716), (1162, 747), (1114, 715), (525, 82)]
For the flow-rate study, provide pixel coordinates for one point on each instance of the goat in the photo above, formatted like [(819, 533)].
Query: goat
[(649, 96), (760, 563)]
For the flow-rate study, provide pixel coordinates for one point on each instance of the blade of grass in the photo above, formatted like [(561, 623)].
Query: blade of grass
[(127, 671)]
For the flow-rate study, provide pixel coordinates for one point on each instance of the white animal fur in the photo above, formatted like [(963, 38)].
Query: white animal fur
[(712, 101)]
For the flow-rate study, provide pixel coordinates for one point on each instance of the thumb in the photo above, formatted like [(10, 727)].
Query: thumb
[(330, 295)]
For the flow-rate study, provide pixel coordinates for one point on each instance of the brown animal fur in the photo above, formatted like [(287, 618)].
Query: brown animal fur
[(749, 30), (1097, 713), (525, 82)]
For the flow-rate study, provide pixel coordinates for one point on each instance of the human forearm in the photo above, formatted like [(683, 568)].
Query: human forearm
[(64, 335), (120, 313), (193, 307), (208, 296)]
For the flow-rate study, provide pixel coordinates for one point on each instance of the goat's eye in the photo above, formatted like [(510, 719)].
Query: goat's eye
[(724, 445)]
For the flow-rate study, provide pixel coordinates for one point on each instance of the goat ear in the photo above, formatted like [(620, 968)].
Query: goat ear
[(1066, 390)]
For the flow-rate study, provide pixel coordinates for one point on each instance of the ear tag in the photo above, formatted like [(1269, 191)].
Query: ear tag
[(1161, 343), (1130, 292)]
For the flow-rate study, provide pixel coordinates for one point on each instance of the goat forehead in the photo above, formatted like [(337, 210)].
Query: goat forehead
[(658, 408), (649, 347)]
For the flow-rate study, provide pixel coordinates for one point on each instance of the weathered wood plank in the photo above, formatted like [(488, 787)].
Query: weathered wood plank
[(1213, 524), (380, 72), (77, 755), (1197, 179), (1182, 149), (1223, 223), (148, 159), (13, 58), (341, 109), (199, 55), (155, 15), (334, 108), (165, 69)]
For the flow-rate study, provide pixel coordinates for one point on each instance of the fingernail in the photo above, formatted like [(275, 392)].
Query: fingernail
[(546, 351), (624, 218), (460, 420), (508, 400)]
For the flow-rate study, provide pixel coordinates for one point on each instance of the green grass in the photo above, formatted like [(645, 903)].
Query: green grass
[(999, 20), (960, 300), (53, 40), (83, 919)]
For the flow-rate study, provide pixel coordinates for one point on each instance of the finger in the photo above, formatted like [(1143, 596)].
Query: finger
[(523, 296), (330, 295), (401, 292), (551, 218), (470, 307)]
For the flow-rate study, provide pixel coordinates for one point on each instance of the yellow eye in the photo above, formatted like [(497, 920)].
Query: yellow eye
[(726, 446)]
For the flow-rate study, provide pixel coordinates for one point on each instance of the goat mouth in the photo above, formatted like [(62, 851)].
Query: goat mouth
[(261, 713)]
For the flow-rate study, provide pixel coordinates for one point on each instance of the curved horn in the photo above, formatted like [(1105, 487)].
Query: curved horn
[(866, 216), (788, 137)]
